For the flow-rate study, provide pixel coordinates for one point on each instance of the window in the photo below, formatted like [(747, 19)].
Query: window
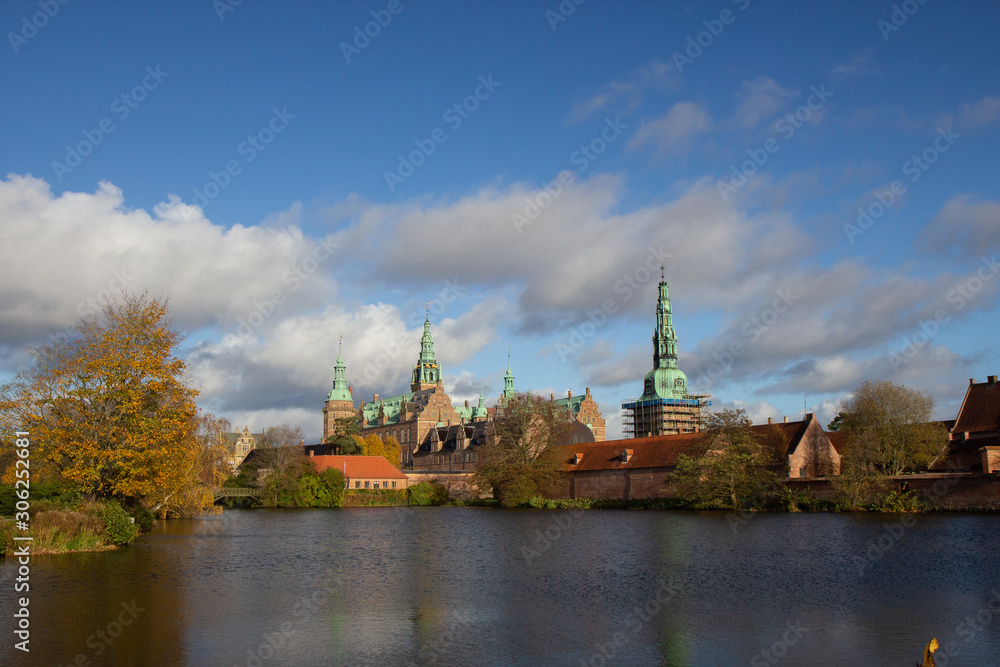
[(368, 484), (375, 484), (357, 484), (394, 485)]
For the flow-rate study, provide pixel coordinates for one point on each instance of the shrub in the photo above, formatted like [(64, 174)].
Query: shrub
[(428, 493), (143, 518), (118, 527)]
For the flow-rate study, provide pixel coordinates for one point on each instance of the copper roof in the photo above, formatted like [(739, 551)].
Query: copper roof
[(981, 408), (359, 467)]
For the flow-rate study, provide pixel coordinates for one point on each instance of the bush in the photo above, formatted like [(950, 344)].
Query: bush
[(143, 518), (118, 526), (428, 493)]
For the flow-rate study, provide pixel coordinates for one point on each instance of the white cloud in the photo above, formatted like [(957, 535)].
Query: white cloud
[(759, 99), (65, 254), (984, 112), (684, 121), (964, 227)]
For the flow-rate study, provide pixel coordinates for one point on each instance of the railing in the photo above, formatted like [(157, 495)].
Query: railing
[(234, 492)]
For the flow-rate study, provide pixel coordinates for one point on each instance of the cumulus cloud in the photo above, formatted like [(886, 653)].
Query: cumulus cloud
[(62, 256)]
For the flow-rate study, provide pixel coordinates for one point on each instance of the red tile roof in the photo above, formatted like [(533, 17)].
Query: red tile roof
[(359, 467), (981, 408), (660, 451)]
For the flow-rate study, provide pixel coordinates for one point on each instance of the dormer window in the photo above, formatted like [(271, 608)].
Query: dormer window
[(577, 458), (626, 455)]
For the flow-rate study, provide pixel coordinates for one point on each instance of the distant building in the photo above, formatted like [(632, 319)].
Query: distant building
[(974, 438), (431, 431), (641, 467), (665, 407), (241, 444), (363, 472)]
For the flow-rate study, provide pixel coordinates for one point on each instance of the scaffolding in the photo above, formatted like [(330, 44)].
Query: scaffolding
[(663, 416)]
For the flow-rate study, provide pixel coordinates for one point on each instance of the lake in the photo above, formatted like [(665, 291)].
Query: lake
[(478, 586)]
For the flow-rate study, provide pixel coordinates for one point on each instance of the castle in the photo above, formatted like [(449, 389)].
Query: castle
[(431, 431), (665, 407)]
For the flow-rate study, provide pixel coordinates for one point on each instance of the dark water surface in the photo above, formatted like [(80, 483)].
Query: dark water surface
[(466, 586)]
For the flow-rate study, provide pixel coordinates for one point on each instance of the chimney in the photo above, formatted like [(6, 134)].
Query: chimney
[(466, 403), (770, 420), (569, 393), (552, 397), (312, 453), (992, 379), (972, 381), (350, 390), (375, 400), (302, 443), (786, 420)]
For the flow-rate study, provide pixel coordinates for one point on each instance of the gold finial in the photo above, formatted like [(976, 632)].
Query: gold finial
[(661, 271), (427, 307)]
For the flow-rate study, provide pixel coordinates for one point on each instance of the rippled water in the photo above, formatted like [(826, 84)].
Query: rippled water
[(466, 586)]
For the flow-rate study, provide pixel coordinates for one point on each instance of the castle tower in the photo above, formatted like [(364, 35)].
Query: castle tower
[(665, 406), (508, 381), (426, 373), (340, 400)]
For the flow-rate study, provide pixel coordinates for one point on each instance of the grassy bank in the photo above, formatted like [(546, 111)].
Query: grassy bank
[(62, 523)]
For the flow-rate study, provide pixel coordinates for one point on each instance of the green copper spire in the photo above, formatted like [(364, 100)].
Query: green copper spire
[(666, 380), (480, 410), (508, 380), (426, 372), (340, 392)]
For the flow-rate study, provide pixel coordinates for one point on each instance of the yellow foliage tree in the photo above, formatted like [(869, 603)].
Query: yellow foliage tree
[(109, 411), (373, 445)]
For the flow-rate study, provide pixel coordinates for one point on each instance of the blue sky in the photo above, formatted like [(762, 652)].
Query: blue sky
[(286, 182)]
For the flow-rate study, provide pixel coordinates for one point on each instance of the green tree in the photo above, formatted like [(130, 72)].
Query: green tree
[(109, 411), (342, 439), (887, 431), (519, 461), (734, 465)]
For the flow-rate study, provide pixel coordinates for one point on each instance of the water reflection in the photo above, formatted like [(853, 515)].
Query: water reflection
[(478, 586)]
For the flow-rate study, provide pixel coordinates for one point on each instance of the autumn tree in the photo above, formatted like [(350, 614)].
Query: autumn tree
[(519, 462), (374, 445), (733, 466), (110, 411)]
